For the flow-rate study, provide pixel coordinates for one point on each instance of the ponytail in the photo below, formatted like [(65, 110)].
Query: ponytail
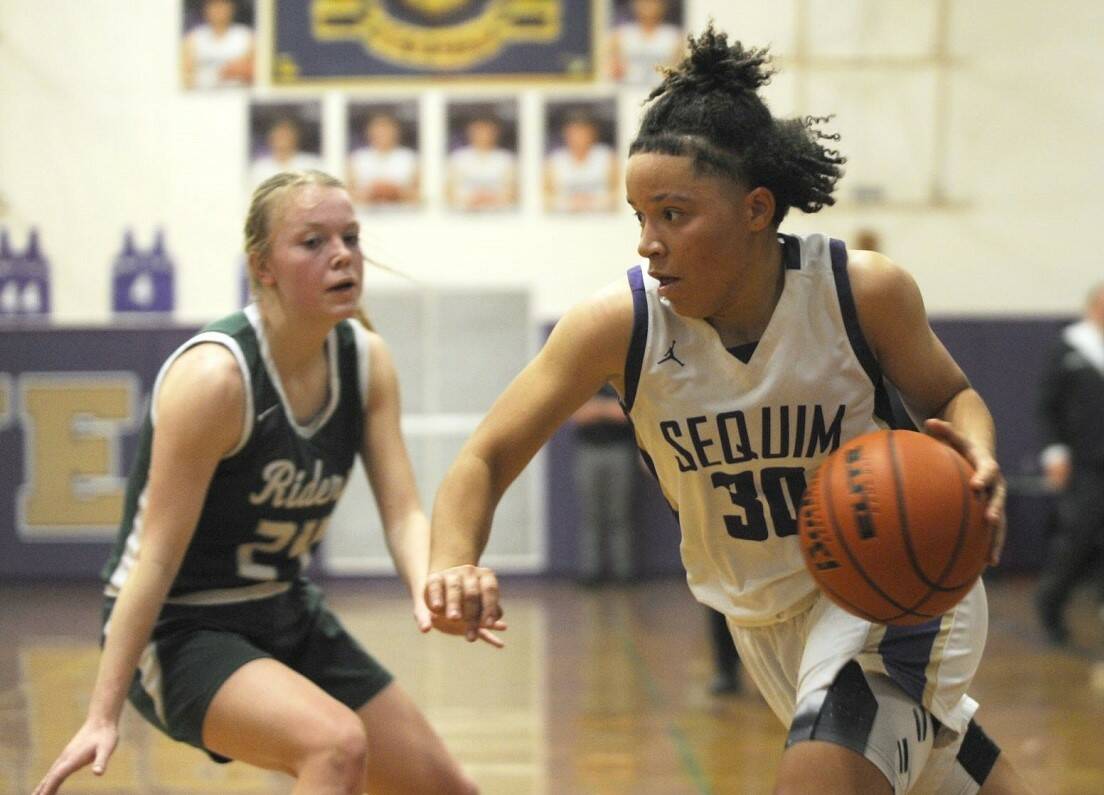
[(708, 107)]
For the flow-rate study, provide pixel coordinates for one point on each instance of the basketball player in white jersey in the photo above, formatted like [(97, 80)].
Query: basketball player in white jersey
[(638, 48), (744, 357), (211, 629), (383, 172), (218, 53), (482, 175), (282, 153), (581, 175)]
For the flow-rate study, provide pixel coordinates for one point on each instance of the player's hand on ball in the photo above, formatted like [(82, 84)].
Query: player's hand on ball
[(987, 479), (463, 600)]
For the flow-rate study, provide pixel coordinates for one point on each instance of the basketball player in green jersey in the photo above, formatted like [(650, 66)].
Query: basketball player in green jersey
[(210, 628)]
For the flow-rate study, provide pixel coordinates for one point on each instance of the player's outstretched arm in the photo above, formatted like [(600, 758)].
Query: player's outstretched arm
[(586, 349), (387, 464), (201, 390), (933, 386)]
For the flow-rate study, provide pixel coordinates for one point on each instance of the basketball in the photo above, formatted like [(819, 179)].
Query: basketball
[(891, 530)]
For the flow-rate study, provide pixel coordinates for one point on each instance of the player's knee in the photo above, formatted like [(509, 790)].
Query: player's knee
[(339, 749), (350, 744)]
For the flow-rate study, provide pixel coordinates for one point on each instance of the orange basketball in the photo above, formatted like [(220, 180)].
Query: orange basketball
[(890, 528)]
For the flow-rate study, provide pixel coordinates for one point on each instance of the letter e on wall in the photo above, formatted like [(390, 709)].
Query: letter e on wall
[(73, 485)]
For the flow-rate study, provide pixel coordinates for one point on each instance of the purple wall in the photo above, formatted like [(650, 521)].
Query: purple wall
[(1004, 358), (657, 540)]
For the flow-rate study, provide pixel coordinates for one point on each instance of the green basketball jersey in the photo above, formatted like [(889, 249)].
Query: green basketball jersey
[(269, 499)]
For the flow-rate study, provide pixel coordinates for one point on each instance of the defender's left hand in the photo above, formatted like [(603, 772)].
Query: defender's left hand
[(987, 480)]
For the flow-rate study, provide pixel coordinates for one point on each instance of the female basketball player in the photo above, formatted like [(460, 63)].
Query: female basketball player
[(283, 140), (743, 357), (580, 175), (219, 52), (383, 172), (211, 630), (640, 45), (482, 174)]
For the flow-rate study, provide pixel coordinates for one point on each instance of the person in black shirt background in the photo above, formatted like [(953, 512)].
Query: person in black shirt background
[(605, 468), (1072, 413)]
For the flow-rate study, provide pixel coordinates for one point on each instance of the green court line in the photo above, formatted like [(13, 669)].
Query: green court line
[(690, 765)]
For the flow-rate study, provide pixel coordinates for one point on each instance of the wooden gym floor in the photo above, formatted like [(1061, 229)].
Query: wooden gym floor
[(598, 691)]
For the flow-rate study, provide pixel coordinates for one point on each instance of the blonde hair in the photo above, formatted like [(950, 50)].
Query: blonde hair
[(267, 198)]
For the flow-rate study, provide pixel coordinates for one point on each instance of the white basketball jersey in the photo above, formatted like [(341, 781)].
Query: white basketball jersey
[(588, 178), (644, 51), (212, 52), (396, 166), (267, 166), (734, 444), (475, 171)]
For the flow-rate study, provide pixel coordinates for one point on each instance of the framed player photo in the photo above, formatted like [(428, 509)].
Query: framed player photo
[(364, 40), (382, 168), (284, 136), (581, 173), (644, 35), (217, 48), (482, 156)]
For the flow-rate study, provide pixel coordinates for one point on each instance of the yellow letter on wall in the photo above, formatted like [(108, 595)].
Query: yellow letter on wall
[(73, 485)]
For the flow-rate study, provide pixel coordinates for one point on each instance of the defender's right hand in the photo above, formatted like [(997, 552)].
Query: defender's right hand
[(465, 593), (93, 743)]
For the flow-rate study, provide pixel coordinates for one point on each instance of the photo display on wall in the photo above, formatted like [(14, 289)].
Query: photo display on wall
[(284, 136), (217, 46), (644, 35), (482, 159), (581, 173), (382, 161), (389, 43)]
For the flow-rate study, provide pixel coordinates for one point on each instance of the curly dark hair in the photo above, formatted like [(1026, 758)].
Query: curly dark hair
[(708, 108)]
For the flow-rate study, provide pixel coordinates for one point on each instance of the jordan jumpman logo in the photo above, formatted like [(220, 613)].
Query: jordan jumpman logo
[(670, 355)]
